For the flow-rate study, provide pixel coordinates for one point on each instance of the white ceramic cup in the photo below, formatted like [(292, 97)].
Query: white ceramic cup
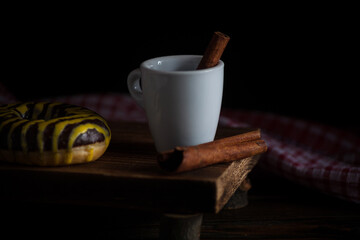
[(182, 104)]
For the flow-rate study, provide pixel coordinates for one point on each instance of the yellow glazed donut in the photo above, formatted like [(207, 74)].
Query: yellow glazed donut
[(51, 134)]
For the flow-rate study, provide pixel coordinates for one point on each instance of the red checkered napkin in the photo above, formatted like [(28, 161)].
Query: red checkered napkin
[(311, 154)]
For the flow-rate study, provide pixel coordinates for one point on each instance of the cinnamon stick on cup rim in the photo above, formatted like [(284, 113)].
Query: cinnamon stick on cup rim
[(240, 146), (214, 50)]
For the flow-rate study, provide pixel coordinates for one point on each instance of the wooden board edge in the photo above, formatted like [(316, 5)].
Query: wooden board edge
[(238, 171)]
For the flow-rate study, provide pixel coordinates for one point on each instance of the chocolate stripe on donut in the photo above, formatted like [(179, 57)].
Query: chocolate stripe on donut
[(4, 131), (24, 139), (34, 112), (11, 130), (43, 111)]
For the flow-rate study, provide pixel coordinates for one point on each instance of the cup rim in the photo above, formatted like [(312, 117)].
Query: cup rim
[(146, 64)]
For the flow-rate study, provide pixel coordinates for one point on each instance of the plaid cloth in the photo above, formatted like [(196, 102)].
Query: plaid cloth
[(311, 154)]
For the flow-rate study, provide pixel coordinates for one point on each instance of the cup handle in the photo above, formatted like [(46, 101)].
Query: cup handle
[(133, 83)]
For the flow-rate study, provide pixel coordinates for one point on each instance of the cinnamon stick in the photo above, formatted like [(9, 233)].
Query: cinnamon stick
[(228, 149), (214, 50)]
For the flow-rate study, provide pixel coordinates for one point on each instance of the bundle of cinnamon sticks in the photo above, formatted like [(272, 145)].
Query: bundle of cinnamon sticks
[(228, 149)]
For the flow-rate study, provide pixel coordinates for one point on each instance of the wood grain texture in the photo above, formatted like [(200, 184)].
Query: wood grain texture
[(277, 209), (128, 176)]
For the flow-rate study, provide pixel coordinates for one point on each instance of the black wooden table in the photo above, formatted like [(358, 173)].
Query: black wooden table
[(57, 208), (128, 177)]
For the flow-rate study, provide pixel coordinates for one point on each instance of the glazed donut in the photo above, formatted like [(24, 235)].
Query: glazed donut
[(51, 134)]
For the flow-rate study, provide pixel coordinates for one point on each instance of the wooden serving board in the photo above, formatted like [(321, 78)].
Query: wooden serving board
[(128, 175)]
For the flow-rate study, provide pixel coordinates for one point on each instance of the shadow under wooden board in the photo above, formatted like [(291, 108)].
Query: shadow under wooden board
[(128, 175)]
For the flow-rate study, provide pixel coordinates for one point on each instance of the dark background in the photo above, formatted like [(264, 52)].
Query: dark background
[(297, 60)]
